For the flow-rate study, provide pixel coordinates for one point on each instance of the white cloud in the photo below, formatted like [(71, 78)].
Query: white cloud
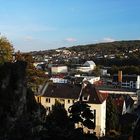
[(28, 38), (108, 39), (71, 39)]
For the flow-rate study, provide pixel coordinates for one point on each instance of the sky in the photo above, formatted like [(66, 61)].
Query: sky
[(33, 25)]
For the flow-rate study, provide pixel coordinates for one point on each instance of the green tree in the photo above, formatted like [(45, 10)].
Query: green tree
[(6, 50), (35, 77), (58, 125), (111, 115), (80, 113)]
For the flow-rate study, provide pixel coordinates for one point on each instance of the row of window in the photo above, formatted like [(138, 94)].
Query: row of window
[(48, 100)]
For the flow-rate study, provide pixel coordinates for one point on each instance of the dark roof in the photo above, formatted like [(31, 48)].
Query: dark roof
[(129, 101), (72, 91), (60, 90), (95, 96), (125, 78)]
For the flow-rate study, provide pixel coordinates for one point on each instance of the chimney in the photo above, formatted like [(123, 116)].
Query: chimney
[(119, 76)]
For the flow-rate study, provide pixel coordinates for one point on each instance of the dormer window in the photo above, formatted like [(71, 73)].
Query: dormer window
[(85, 98)]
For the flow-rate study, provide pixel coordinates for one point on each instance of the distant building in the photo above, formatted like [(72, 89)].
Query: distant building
[(67, 94), (128, 81), (83, 69), (90, 64), (103, 72), (87, 66), (59, 69), (59, 80), (90, 79)]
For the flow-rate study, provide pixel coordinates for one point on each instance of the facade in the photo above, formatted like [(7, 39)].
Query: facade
[(67, 94), (128, 81), (90, 79), (83, 69), (59, 69), (59, 80)]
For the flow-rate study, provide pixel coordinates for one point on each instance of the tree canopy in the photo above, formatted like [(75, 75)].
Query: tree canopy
[(6, 50), (80, 113), (35, 77)]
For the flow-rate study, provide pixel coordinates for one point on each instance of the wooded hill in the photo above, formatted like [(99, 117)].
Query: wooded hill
[(109, 48)]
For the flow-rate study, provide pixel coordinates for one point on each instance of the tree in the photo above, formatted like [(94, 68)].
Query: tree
[(111, 115), (6, 50), (35, 77), (80, 113), (58, 123)]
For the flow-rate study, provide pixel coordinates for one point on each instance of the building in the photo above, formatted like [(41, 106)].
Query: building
[(59, 80), (83, 69), (91, 79), (88, 66), (127, 81), (67, 94), (59, 69)]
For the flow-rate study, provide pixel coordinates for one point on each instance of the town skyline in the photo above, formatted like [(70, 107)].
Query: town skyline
[(41, 25)]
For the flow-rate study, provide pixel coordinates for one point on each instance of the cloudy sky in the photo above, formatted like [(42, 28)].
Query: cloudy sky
[(47, 24)]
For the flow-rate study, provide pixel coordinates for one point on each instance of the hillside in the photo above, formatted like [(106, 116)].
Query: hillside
[(109, 48), (100, 48)]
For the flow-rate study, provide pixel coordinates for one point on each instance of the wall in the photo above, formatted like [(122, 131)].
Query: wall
[(100, 112), (59, 69), (100, 117)]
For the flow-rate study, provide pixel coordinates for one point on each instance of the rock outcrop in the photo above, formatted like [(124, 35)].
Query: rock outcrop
[(20, 116)]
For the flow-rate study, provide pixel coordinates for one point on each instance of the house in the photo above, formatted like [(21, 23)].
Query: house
[(67, 94)]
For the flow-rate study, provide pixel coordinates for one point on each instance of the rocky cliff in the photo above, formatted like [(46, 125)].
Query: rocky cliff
[(20, 116)]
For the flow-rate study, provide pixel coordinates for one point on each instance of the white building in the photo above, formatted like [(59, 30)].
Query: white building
[(91, 79), (88, 66), (67, 94), (59, 80), (59, 69), (83, 69), (103, 72)]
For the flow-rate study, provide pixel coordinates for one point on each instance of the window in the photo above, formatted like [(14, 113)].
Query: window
[(48, 108), (85, 98), (63, 105), (69, 101), (38, 99), (48, 100)]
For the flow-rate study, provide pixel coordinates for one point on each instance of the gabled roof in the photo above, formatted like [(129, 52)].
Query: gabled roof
[(90, 62), (60, 90), (129, 101), (95, 97)]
